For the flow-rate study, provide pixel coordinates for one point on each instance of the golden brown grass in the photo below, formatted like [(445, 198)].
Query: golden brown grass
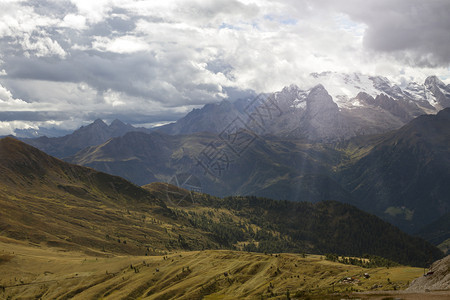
[(33, 271)]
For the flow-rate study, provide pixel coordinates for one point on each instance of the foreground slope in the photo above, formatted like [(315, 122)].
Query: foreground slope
[(438, 278), (30, 272), (45, 200)]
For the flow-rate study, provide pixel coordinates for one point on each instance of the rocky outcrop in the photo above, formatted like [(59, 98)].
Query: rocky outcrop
[(436, 279)]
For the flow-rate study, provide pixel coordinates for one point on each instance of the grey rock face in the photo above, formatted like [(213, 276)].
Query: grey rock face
[(345, 105)]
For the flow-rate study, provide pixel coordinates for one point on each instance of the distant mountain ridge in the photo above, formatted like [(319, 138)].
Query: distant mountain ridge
[(95, 133), (337, 106)]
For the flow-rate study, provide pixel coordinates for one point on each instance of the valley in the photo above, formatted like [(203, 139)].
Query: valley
[(400, 175), (72, 232)]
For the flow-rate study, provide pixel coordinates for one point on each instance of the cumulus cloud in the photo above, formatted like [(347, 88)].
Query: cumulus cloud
[(152, 61)]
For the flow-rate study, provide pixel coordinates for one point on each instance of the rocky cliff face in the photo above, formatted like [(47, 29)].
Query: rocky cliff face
[(436, 279), (330, 107)]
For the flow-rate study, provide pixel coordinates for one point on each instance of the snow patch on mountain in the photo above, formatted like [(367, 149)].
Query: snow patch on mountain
[(344, 87)]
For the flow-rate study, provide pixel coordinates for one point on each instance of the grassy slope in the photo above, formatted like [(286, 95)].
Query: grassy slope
[(45, 200), (31, 271)]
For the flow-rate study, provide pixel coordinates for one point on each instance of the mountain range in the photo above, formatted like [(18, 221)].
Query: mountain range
[(349, 137), (93, 134), (336, 107)]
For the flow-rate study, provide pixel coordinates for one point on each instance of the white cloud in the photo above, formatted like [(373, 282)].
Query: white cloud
[(93, 11), (74, 21), (42, 46), (123, 44)]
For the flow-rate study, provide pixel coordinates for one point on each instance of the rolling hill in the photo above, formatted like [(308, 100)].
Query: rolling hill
[(268, 167), (49, 273), (45, 200)]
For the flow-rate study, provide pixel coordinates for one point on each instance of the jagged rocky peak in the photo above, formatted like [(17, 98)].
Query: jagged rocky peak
[(433, 80), (380, 82), (414, 86), (291, 97), (365, 98), (319, 101), (117, 123), (291, 89), (98, 123), (319, 94)]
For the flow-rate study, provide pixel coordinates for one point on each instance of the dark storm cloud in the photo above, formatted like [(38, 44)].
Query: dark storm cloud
[(100, 70), (34, 116), (132, 74), (415, 31)]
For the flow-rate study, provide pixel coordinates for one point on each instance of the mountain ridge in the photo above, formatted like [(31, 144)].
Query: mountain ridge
[(385, 107), (95, 133)]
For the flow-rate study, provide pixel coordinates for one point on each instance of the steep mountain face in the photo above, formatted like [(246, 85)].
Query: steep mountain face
[(333, 107), (211, 118), (274, 168), (90, 135), (437, 232), (439, 91), (136, 156), (405, 176)]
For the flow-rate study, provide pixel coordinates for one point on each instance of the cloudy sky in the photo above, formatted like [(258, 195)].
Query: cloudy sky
[(65, 63)]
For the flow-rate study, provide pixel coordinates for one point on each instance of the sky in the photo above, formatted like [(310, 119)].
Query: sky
[(66, 63)]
